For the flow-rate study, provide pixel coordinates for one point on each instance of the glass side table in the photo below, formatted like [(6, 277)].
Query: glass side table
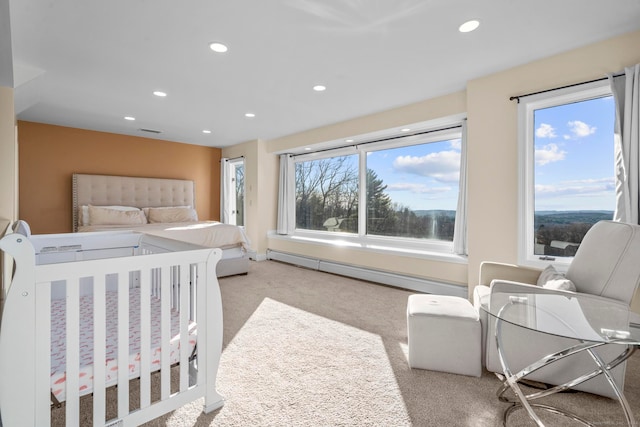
[(590, 320)]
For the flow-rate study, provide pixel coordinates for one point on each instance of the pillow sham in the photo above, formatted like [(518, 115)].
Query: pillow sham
[(100, 215), (550, 278), (83, 212), (177, 214), (146, 210)]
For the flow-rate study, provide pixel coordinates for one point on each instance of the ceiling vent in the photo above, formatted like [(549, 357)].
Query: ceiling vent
[(150, 130)]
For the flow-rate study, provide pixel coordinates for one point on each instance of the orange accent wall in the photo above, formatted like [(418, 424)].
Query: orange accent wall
[(49, 155)]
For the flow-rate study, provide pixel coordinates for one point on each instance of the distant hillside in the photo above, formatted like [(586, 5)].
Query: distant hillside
[(568, 217), (435, 212), (541, 217)]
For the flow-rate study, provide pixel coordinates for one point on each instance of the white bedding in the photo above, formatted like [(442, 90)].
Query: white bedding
[(211, 234), (58, 341)]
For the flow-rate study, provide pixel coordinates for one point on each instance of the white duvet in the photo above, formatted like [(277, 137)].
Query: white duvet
[(211, 234)]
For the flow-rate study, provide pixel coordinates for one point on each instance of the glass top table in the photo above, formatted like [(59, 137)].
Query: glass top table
[(590, 320)]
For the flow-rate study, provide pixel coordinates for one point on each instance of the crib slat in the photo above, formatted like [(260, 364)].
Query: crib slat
[(192, 291), (123, 344), (99, 350), (73, 352), (43, 354), (201, 290), (184, 327), (175, 281), (145, 338), (165, 333)]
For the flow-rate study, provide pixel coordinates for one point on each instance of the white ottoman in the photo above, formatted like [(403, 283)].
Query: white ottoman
[(444, 334)]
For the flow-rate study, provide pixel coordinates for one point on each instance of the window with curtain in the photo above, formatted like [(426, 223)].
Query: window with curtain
[(401, 191), (566, 169)]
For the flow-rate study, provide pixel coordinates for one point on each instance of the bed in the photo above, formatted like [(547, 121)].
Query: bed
[(128, 299), (156, 200)]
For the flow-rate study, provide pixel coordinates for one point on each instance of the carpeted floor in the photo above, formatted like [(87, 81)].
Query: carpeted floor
[(305, 348)]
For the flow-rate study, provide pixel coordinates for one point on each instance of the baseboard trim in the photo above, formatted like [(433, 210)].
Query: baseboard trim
[(255, 256), (372, 275)]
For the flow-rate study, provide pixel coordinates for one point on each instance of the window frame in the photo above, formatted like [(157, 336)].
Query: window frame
[(416, 246), (526, 163), (234, 164)]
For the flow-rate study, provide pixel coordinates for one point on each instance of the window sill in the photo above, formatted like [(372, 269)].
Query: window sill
[(560, 263), (381, 246)]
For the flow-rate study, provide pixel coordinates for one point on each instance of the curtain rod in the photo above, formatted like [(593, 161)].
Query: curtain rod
[(391, 138), (235, 158), (511, 98)]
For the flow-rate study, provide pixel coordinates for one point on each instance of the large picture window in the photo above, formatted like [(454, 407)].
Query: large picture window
[(567, 181), (412, 191), (327, 194), (403, 188)]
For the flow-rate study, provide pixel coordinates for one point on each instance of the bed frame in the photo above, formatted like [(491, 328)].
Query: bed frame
[(105, 190), (181, 274), (139, 192)]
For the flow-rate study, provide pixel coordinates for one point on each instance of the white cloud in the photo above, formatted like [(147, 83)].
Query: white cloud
[(545, 131), (580, 188), (443, 166), (456, 144), (417, 188), (580, 129), (548, 154)]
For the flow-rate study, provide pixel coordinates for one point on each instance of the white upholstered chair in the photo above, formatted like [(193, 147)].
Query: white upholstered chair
[(607, 266)]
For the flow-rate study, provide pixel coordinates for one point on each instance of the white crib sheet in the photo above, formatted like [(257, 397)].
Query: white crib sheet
[(58, 341)]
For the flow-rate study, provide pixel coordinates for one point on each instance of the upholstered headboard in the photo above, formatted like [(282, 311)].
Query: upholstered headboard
[(106, 190)]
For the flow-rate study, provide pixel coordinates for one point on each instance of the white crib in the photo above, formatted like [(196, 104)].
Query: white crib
[(162, 289)]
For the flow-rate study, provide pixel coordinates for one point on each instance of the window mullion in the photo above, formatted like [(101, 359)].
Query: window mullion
[(362, 193)]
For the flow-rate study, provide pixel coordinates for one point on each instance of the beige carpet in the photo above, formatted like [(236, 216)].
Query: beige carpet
[(304, 348)]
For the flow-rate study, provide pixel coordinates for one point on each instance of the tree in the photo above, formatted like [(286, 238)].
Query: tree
[(325, 188), (381, 217)]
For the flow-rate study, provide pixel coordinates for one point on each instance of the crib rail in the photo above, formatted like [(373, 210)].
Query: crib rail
[(181, 276)]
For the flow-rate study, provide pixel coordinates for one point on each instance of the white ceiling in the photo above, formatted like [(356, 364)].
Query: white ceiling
[(87, 64)]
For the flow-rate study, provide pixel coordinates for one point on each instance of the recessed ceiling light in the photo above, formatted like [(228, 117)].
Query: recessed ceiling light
[(218, 47), (129, 118), (160, 93), (249, 115), (468, 26), (319, 88), (206, 131), (405, 130)]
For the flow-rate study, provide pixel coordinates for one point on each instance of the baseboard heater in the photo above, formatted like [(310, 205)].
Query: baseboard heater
[(371, 275)]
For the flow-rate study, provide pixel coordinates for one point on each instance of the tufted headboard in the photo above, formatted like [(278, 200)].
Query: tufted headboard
[(106, 190)]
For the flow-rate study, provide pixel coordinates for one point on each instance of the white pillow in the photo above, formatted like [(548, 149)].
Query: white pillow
[(166, 215), (146, 210), (83, 212), (552, 279), (100, 215)]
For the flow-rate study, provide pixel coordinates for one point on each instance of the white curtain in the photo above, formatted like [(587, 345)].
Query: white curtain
[(460, 230), (626, 92), (286, 197), (225, 190)]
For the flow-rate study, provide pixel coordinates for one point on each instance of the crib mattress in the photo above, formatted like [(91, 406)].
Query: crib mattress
[(58, 341)]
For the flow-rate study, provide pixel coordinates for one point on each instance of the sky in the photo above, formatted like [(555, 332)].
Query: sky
[(573, 163), (574, 156), (422, 176)]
